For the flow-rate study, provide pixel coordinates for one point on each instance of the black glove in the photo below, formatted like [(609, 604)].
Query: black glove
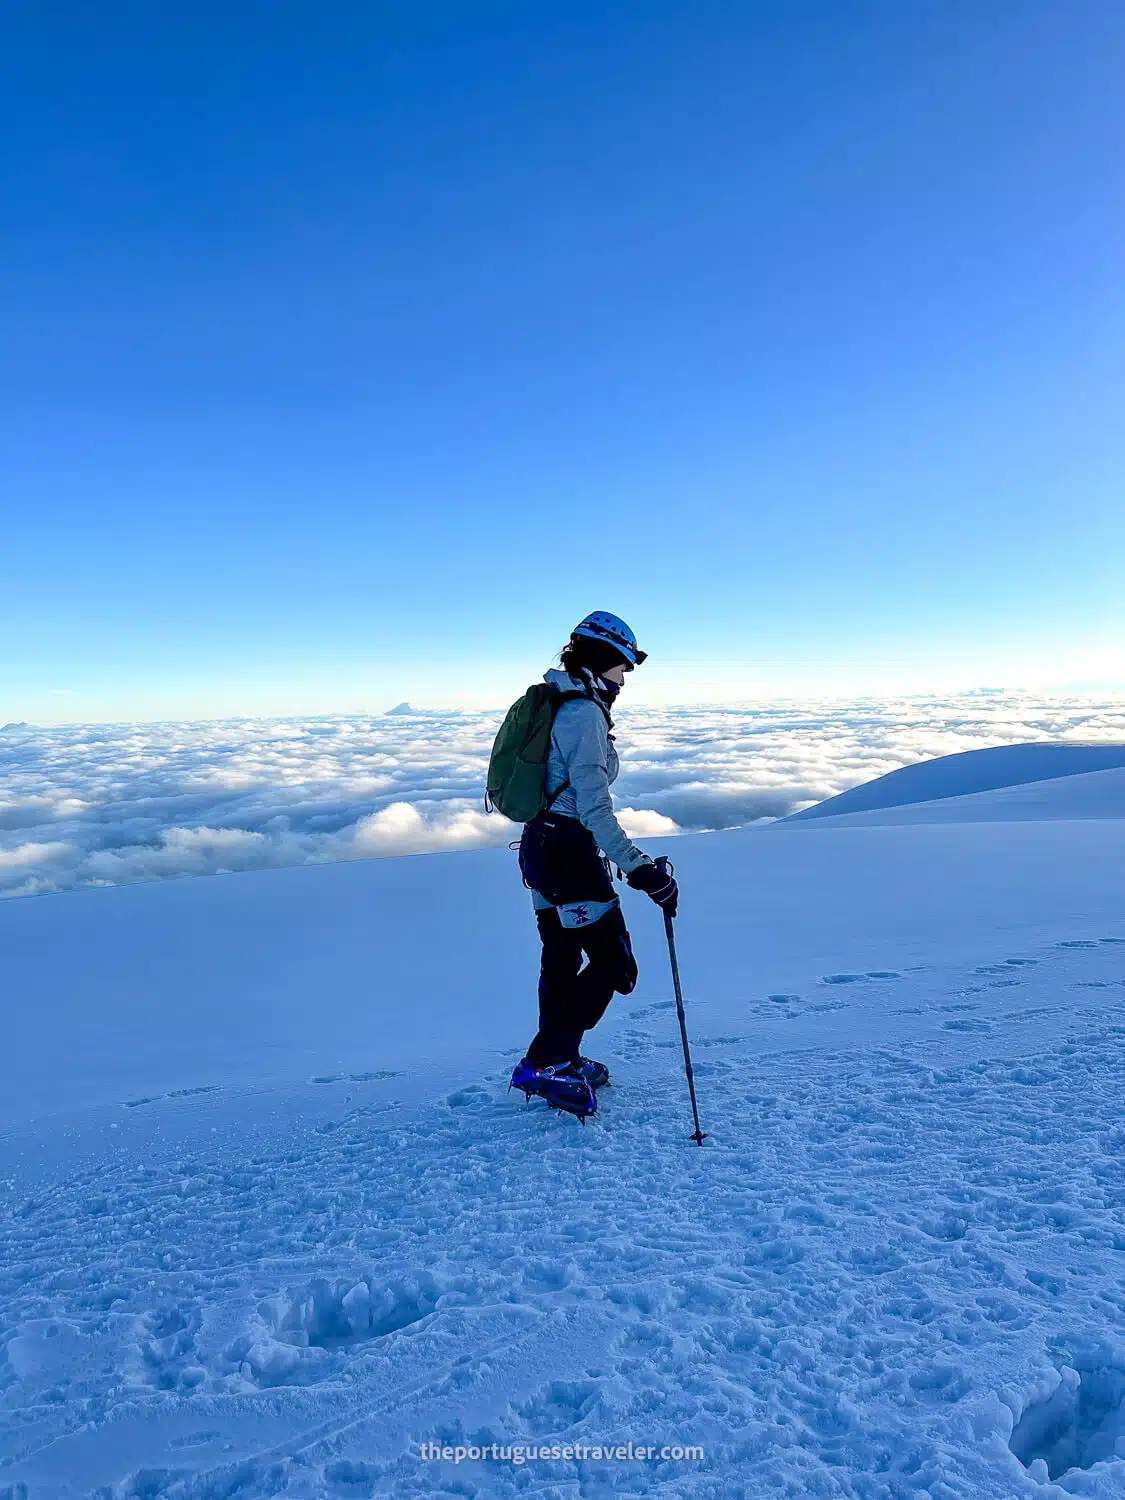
[(657, 882)]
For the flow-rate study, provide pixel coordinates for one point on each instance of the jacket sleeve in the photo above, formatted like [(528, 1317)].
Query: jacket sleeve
[(587, 766)]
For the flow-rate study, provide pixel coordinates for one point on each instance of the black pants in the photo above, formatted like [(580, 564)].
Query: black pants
[(560, 860)]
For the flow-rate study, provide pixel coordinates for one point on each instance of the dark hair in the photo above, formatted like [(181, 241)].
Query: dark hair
[(596, 656)]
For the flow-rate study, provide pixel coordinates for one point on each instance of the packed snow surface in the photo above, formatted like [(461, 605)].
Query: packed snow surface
[(969, 772), (270, 1220)]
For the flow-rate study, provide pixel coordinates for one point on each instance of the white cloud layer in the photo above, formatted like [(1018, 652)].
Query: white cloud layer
[(102, 805)]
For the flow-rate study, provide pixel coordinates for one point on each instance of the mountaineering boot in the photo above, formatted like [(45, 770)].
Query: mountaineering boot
[(561, 1084), (596, 1074)]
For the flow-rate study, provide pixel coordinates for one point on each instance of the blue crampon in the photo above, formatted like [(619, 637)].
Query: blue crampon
[(596, 1074), (562, 1085)]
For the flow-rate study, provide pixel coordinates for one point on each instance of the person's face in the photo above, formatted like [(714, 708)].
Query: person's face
[(615, 674)]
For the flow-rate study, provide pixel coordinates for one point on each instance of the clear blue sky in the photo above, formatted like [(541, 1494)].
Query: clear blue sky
[(351, 351)]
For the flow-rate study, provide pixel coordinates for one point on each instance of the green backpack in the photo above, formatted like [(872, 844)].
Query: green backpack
[(517, 769)]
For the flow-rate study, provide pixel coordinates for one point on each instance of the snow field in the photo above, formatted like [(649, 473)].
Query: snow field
[(888, 1269), (270, 1221)]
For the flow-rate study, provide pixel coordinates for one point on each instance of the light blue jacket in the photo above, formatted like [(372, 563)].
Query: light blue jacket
[(583, 753)]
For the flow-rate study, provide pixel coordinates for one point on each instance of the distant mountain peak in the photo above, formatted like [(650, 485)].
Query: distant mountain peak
[(400, 708)]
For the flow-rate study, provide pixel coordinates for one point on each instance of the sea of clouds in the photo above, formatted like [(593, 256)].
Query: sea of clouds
[(108, 804)]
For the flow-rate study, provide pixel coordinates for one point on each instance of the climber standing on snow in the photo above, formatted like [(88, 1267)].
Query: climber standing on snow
[(567, 852)]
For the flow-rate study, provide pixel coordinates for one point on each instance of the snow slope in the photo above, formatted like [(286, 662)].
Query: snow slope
[(269, 1219), (968, 772), (1096, 794)]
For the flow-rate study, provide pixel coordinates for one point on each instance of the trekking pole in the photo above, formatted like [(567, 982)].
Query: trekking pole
[(700, 1135)]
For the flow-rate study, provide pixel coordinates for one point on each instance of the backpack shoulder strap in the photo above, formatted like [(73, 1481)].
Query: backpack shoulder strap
[(569, 696), (558, 698)]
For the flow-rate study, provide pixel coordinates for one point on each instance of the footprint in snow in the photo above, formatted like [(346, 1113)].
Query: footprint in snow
[(555, 1407), (166, 1338), (473, 1094), (649, 1010), (333, 1316), (369, 1077), (949, 1228), (1067, 1430), (940, 1383), (206, 1088), (1052, 1285), (861, 978), (195, 1439)]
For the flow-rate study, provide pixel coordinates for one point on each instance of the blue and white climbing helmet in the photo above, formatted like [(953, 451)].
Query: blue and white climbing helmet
[(602, 626)]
